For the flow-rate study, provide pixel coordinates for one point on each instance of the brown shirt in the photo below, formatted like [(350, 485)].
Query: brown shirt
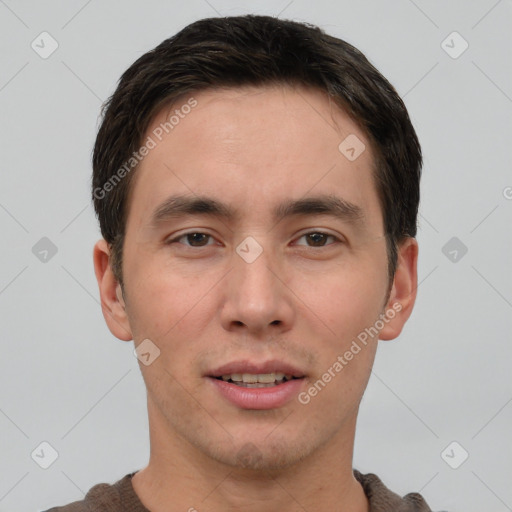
[(121, 497)]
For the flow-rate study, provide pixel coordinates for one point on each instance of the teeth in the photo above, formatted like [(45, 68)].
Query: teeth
[(256, 384), (266, 377), (261, 378)]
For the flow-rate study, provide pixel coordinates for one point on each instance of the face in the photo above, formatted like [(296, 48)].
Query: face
[(254, 257)]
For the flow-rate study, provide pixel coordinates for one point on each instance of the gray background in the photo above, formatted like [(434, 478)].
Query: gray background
[(67, 381)]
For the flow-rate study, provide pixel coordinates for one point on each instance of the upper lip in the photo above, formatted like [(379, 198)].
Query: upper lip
[(255, 368)]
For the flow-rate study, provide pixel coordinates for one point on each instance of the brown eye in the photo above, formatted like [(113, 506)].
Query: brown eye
[(197, 239), (317, 239), (194, 239)]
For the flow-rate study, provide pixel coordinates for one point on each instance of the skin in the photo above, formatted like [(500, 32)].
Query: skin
[(301, 301)]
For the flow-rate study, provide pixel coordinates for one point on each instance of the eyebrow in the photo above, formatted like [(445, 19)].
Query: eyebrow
[(181, 205), (321, 205), (177, 206)]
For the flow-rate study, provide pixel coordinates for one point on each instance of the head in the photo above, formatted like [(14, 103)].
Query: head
[(257, 51), (231, 130)]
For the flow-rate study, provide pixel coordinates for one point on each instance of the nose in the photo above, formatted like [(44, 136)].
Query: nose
[(256, 298)]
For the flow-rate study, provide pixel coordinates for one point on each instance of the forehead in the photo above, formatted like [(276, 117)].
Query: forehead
[(254, 146)]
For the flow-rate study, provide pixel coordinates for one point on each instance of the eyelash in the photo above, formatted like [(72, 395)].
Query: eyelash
[(315, 232)]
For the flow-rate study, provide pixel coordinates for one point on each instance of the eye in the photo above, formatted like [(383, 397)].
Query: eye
[(195, 239), (317, 239)]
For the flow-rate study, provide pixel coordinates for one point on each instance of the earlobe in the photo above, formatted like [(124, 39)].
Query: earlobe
[(112, 300), (403, 292)]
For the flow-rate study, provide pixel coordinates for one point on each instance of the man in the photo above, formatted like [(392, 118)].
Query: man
[(257, 187)]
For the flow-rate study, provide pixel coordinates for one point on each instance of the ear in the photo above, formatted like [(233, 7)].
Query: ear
[(112, 302), (403, 292)]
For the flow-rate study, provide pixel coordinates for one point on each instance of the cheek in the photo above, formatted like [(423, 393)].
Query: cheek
[(345, 300), (163, 301)]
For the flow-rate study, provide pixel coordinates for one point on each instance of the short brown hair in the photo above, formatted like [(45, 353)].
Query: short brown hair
[(257, 50)]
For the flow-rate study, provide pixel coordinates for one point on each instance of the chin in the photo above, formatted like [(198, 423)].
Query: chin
[(261, 455)]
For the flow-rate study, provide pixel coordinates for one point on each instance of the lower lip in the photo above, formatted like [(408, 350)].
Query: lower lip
[(258, 398)]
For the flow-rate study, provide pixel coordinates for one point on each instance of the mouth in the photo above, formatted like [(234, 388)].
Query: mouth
[(258, 380), (248, 385)]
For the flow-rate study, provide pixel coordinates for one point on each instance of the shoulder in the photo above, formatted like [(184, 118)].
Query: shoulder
[(106, 498), (382, 499)]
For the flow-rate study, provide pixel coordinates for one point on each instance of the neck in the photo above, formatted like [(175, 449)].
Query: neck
[(179, 477)]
